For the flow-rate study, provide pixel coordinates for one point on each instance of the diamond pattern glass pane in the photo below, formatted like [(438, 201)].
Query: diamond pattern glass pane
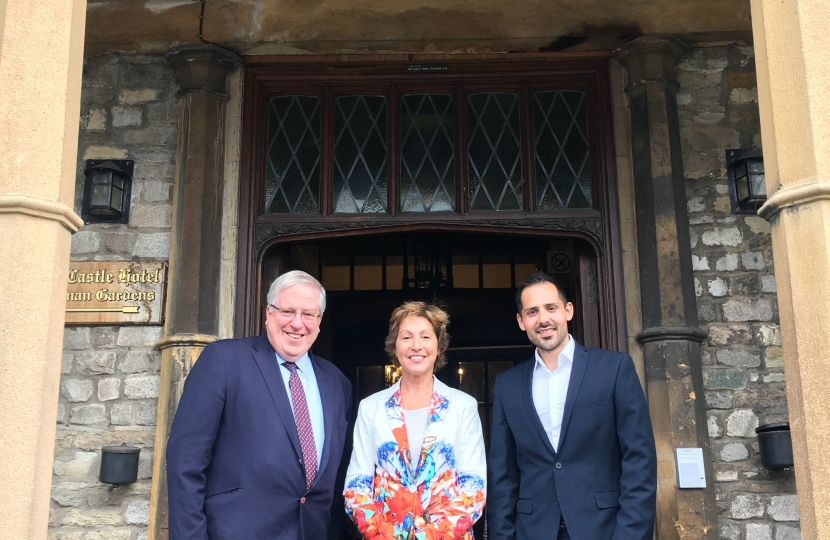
[(494, 157), (292, 176), (427, 150), (560, 129), (360, 176)]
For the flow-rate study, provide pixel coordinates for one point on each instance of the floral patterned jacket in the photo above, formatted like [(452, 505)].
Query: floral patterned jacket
[(440, 497)]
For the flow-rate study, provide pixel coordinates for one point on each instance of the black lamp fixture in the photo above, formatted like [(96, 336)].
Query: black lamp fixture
[(107, 190), (747, 183), (427, 265), (119, 464)]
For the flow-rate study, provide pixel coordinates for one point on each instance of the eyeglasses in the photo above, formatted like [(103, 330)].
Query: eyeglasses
[(306, 316)]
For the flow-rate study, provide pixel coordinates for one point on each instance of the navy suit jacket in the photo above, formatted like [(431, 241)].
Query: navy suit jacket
[(605, 471), (234, 467)]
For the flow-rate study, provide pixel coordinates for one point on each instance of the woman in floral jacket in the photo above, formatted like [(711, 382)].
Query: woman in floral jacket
[(417, 470)]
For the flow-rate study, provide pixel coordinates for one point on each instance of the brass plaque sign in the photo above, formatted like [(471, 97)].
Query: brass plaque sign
[(115, 292)]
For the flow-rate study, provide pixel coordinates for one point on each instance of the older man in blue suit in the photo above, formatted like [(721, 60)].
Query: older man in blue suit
[(256, 450), (571, 449)]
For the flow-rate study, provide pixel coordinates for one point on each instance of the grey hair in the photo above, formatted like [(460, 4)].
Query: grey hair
[(297, 277)]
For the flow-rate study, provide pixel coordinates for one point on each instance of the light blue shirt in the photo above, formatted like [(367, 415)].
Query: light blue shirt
[(550, 388), (305, 370)]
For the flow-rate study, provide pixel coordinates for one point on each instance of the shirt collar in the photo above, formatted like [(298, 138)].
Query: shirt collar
[(304, 363), (565, 357)]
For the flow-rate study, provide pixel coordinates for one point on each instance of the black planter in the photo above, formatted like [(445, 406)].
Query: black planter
[(775, 445), (119, 464)]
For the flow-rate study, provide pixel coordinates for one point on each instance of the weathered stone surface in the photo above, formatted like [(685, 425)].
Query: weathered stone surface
[(768, 284), (153, 245), (111, 534), (753, 260), (147, 413), (133, 96), (714, 428), (79, 464), (773, 357), (122, 414), (730, 236), (85, 241), (137, 362), (66, 362), (88, 414), (70, 493), (785, 532), (758, 531), (139, 336), (783, 508), (141, 387), (723, 334), (741, 423), (76, 337), (103, 337), (718, 401), (730, 531), (126, 116), (718, 287), (145, 465), (745, 309), (733, 452), (109, 389), (726, 476), (747, 506), (91, 517), (724, 379), (157, 191), (151, 215), (94, 362), (76, 390), (727, 263), (700, 263), (137, 513), (738, 358)]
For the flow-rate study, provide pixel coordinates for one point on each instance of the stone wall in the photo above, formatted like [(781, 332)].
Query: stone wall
[(735, 287), (109, 381)]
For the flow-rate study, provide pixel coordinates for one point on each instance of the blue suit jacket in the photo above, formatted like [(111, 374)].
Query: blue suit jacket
[(605, 472), (234, 467)]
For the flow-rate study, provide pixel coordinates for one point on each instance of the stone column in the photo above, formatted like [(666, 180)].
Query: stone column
[(791, 43), (192, 319), (41, 61), (670, 336)]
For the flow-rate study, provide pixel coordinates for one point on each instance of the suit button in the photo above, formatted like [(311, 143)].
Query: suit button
[(302, 501), (556, 502), (558, 465)]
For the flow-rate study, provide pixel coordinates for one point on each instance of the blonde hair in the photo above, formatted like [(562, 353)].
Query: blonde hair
[(437, 317)]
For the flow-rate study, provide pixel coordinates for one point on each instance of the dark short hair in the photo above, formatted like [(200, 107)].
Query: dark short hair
[(437, 317), (537, 279)]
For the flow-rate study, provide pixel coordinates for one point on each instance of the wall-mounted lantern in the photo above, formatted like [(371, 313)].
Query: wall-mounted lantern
[(775, 446), (119, 464), (107, 190), (747, 183)]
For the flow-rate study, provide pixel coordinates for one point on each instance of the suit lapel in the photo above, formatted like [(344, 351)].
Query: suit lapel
[(580, 362), (527, 394), (325, 385), (266, 359)]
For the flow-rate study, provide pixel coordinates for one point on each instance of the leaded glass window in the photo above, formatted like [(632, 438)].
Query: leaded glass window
[(560, 128), (360, 154), (427, 153), (292, 176), (494, 156)]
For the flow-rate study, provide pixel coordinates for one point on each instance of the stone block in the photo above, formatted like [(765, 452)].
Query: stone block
[(152, 137), (120, 242), (153, 191), (718, 287), (753, 260), (783, 508), (729, 236), (88, 415), (76, 337), (768, 284), (133, 96), (732, 452), (70, 493), (773, 357), (91, 517), (724, 379), (66, 362), (696, 204), (747, 506), (720, 334), (151, 215), (718, 401), (153, 246), (147, 413), (94, 440), (700, 264), (85, 242), (123, 414), (758, 531), (743, 96), (61, 416), (137, 362), (126, 116), (137, 513), (94, 362), (701, 219), (95, 120), (774, 377), (139, 336), (77, 390), (746, 309), (741, 423), (738, 358), (109, 389), (103, 337), (715, 430), (79, 464), (705, 312), (757, 224), (141, 386), (112, 534), (727, 263), (104, 152), (730, 531), (145, 465), (768, 335), (726, 476), (785, 532)]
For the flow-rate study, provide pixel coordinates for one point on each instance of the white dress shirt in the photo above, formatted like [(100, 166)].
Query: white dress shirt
[(550, 389), (305, 369)]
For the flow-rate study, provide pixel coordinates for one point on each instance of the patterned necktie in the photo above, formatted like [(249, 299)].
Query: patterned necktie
[(303, 420)]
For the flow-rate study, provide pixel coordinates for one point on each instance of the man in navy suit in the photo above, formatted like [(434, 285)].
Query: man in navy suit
[(256, 450), (571, 449)]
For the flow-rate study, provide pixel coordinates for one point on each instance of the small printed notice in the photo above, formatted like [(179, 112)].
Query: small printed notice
[(690, 470), (115, 292)]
